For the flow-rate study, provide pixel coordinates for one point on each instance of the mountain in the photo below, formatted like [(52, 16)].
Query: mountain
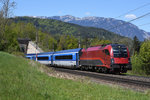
[(149, 33), (117, 26), (56, 27)]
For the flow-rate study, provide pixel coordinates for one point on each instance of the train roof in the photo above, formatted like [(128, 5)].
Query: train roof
[(70, 50), (102, 47), (62, 51), (116, 45), (45, 53), (39, 53)]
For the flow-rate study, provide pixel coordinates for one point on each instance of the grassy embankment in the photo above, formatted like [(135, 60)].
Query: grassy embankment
[(21, 79), (131, 73)]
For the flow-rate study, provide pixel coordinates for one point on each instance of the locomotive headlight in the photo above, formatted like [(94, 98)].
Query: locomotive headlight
[(112, 60)]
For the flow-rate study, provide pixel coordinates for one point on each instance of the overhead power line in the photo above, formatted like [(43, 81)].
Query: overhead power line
[(133, 10), (130, 21), (128, 12), (144, 24)]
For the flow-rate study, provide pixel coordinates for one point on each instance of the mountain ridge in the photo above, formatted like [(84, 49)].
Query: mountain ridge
[(53, 26), (117, 26)]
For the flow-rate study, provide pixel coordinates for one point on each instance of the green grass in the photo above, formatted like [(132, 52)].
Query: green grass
[(21, 79), (132, 73)]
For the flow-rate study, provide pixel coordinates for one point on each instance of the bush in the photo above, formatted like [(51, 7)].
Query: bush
[(136, 64), (145, 57), (141, 62)]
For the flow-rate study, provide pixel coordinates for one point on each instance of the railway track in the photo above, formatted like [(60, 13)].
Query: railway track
[(106, 77)]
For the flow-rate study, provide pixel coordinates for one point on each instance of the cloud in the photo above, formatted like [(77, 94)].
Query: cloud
[(60, 12), (87, 13), (130, 16)]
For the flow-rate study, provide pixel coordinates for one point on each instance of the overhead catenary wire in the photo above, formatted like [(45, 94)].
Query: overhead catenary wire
[(130, 21), (147, 4), (133, 10), (144, 24)]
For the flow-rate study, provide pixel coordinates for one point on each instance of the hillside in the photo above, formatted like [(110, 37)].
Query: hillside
[(128, 29), (54, 27), (22, 79)]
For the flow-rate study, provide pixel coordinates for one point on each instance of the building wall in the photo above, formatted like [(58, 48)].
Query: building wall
[(32, 48)]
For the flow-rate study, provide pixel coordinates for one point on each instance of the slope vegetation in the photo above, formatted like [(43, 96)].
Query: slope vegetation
[(22, 79), (114, 25), (54, 27)]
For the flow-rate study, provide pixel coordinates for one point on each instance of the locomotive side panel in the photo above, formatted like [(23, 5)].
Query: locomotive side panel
[(107, 58), (92, 58)]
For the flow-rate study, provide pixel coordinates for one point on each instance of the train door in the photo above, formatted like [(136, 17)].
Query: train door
[(77, 59), (51, 59), (34, 58), (107, 57)]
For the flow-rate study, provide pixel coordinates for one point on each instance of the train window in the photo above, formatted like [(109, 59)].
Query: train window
[(120, 52), (107, 52), (63, 57), (42, 58)]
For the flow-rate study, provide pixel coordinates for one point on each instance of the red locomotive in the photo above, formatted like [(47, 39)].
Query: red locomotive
[(106, 58)]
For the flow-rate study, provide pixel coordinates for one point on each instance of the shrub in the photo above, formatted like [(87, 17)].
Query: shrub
[(136, 64), (141, 62), (145, 57)]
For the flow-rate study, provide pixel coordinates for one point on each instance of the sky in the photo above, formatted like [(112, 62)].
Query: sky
[(84, 8)]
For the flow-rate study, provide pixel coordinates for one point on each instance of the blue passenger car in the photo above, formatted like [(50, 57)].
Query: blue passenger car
[(43, 58), (31, 56), (67, 58)]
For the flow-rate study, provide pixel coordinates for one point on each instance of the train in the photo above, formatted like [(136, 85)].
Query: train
[(110, 58)]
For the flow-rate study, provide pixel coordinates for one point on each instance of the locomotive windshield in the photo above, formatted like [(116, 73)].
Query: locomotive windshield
[(120, 51)]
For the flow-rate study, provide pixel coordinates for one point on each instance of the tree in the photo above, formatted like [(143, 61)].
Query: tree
[(62, 43), (71, 42), (5, 12), (67, 42), (97, 41), (141, 61), (145, 56), (136, 45)]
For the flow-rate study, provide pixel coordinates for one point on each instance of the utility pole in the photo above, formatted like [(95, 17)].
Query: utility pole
[(79, 40), (36, 42), (86, 42), (53, 47)]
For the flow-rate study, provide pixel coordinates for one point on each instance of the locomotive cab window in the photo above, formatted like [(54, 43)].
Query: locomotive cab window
[(107, 52), (42, 58), (120, 52), (63, 57)]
